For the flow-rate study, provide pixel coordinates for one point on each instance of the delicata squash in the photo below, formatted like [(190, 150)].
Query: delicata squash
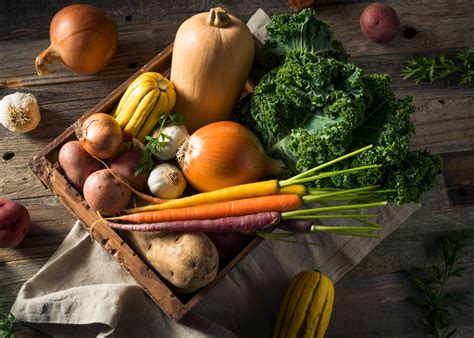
[(148, 97), (306, 306)]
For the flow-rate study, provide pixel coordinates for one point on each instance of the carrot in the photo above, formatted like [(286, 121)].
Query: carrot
[(237, 223), (237, 192), (298, 189), (271, 187), (239, 207)]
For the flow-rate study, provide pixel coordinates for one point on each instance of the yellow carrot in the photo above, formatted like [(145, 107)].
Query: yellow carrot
[(298, 189), (236, 192)]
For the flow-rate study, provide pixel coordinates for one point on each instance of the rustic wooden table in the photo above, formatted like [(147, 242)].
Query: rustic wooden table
[(370, 300)]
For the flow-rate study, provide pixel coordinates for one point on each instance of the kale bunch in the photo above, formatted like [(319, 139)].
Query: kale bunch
[(300, 31), (316, 106)]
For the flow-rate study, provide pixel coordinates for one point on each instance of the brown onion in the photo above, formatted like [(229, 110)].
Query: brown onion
[(224, 154), (82, 37), (100, 135)]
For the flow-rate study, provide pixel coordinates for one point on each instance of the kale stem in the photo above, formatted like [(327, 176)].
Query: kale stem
[(322, 166)]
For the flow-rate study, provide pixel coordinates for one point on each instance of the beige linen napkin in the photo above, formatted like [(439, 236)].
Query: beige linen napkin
[(82, 291)]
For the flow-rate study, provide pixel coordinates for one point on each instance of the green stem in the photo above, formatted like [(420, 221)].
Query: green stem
[(290, 214), (281, 237), (342, 228), (360, 220), (351, 198), (335, 216), (315, 191), (326, 174), (327, 164), (311, 198), (354, 234)]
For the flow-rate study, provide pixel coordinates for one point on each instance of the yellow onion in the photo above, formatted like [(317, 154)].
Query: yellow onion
[(100, 135), (82, 37), (224, 154)]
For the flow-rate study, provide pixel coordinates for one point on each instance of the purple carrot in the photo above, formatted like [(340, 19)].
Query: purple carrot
[(239, 223)]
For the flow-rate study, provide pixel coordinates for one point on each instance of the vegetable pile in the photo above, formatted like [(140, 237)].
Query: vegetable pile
[(337, 139), (313, 105)]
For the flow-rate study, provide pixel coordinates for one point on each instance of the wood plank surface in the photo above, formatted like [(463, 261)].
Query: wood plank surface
[(370, 299)]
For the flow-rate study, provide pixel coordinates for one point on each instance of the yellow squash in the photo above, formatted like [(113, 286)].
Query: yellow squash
[(306, 307), (148, 97)]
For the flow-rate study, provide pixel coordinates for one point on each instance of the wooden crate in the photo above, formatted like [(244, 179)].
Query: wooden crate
[(46, 168)]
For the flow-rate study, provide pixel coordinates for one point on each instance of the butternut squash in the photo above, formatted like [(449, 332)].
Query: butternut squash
[(212, 57), (306, 306)]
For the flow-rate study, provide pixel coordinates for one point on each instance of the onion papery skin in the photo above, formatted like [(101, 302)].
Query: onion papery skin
[(83, 37), (100, 135), (224, 154)]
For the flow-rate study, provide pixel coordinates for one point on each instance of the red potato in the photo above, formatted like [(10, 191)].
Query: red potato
[(77, 163), (14, 223), (105, 193), (379, 23), (125, 164)]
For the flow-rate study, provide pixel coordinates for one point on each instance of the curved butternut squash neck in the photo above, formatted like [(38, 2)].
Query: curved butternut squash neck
[(218, 17)]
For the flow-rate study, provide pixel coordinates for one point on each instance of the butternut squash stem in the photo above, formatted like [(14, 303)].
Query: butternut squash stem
[(218, 17)]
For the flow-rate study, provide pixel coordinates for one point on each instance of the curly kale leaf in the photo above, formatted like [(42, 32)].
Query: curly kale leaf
[(314, 106), (305, 110), (388, 127), (313, 109), (300, 31)]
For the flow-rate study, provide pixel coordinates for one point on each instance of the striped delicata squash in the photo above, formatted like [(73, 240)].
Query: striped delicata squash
[(306, 307), (148, 97)]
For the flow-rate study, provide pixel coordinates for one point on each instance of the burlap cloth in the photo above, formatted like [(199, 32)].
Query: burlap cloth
[(82, 291)]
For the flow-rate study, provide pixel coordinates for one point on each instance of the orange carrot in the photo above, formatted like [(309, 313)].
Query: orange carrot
[(246, 206), (236, 192)]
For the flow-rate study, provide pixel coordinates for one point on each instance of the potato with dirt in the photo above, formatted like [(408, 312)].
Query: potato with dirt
[(77, 163), (107, 192), (126, 163), (14, 223), (188, 260)]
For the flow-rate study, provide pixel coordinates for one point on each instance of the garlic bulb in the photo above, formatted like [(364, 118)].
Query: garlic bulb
[(176, 135), (166, 181), (19, 112)]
